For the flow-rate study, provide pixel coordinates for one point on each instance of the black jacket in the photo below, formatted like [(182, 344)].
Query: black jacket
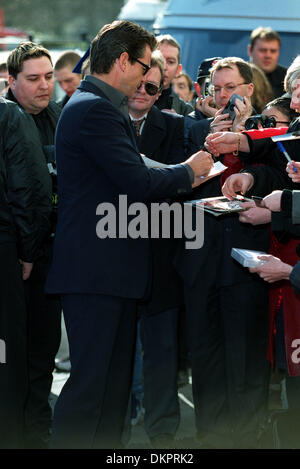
[(170, 100), (162, 140), (45, 125), (25, 202)]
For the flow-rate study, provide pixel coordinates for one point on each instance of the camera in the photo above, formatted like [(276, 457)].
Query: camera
[(206, 87), (265, 122), (229, 108)]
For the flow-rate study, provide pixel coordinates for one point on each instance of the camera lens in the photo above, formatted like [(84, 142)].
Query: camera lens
[(251, 124)]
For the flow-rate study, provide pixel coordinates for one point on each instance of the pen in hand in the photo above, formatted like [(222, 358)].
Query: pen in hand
[(282, 149)]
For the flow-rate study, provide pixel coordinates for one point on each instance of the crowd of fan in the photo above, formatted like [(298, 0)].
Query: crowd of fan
[(206, 315)]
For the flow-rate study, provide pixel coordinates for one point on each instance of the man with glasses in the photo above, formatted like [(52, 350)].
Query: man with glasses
[(161, 139), (227, 308), (99, 270), (229, 76)]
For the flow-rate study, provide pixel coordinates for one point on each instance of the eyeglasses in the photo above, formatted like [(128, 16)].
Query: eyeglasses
[(151, 88), (230, 89), (264, 121), (145, 66)]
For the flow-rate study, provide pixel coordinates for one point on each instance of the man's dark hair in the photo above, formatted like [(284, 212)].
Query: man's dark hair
[(114, 39), (25, 51), (283, 105), (243, 67), (265, 34)]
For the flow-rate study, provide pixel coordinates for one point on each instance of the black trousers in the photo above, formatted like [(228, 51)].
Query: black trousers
[(228, 332), (43, 335), (160, 366), (13, 362), (91, 409)]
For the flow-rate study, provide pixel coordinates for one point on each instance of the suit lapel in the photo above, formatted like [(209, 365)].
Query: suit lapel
[(154, 132)]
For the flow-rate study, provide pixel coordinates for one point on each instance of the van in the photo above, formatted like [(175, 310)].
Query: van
[(210, 28), (142, 12)]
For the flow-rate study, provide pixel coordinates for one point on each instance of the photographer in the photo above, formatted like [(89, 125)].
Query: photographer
[(229, 76)]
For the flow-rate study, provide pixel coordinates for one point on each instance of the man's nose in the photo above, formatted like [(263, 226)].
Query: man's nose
[(64, 86), (224, 93), (43, 83), (141, 88), (295, 103)]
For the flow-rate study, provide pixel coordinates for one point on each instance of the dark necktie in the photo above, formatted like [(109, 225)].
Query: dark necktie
[(137, 126)]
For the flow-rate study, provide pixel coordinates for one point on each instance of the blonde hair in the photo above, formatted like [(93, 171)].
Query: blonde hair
[(263, 92), (292, 73), (157, 60)]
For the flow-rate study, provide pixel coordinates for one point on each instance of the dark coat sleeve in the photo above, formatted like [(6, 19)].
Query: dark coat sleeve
[(119, 160), (28, 196), (197, 135), (270, 170)]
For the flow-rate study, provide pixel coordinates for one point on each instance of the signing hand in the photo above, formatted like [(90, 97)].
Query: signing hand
[(273, 269), (201, 163)]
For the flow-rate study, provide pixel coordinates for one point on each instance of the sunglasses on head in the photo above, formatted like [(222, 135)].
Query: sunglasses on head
[(264, 121), (150, 88)]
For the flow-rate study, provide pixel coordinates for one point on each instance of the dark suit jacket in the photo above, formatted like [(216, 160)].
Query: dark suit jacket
[(162, 140), (162, 137), (97, 160), (197, 135)]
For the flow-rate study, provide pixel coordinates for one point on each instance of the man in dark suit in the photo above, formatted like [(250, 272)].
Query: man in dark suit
[(100, 275), (160, 138)]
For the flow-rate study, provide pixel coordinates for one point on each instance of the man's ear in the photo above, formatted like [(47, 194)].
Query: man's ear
[(12, 82), (178, 70), (250, 89), (197, 88), (249, 50), (123, 61)]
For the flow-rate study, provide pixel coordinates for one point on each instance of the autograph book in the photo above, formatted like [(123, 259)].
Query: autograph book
[(220, 205)]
